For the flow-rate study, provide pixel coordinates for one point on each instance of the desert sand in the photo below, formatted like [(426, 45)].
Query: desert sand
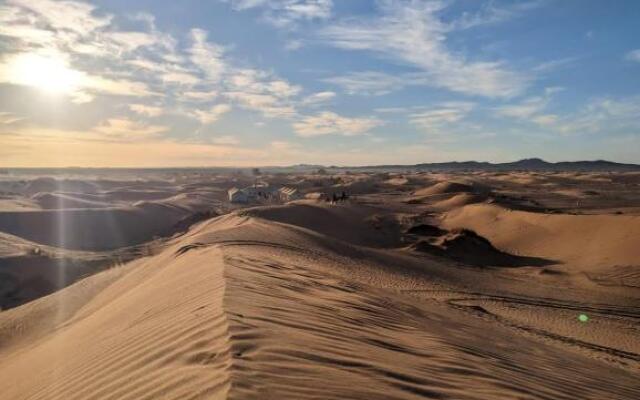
[(463, 285)]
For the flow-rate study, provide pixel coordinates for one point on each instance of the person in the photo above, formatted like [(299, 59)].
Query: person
[(334, 198)]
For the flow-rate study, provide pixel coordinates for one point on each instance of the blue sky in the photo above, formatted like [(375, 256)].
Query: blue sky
[(351, 82)]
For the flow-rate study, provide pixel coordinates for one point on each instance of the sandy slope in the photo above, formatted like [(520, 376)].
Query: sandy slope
[(56, 231), (582, 242), (30, 270), (63, 200), (103, 228), (251, 308)]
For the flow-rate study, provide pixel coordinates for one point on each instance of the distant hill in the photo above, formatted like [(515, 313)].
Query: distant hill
[(528, 164)]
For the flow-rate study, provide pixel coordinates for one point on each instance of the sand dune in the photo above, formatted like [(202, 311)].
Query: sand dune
[(353, 224), (457, 201), (583, 242), (387, 296), (137, 194), (103, 228), (43, 185), (99, 229), (30, 270), (243, 308), (449, 187), (63, 201), (468, 247)]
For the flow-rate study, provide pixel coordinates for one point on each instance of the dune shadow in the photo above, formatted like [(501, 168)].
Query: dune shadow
[(467, 247)]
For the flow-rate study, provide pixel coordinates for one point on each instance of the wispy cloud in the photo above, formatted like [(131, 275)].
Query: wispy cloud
[(211, 115), (286, 12), (226, 140), (553, 65), (207, 55), (199, 96), (368, 83), (525, 109), (327, 123), (318, 98), (261, 91), (126, 129), (633, 55), (143, 109), (411, 33), (602, 116), (598, 116), (532, 109), (73, 16), (435, 119), (489, 13), (7, 118)]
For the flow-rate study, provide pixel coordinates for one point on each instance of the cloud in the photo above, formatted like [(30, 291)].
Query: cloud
[(411, 33), (604, 115), (554, 65), (122, 87), (390, 110), (368, 83), (326, 123), (199, 96), (181, 78), (599, 116), (149, 111), (7, 118), (525, 109), (211, 115), (130, 41), (261, 91), (60, 36), (320, 97), (128, 130), (73, 27), (490, 14), (284, 13), (633, 55), (144, 63), (532, 108), (226, 140), (206, 55), (74, 16), (279, 145), (293, 45), (545, 119), (435, 118)]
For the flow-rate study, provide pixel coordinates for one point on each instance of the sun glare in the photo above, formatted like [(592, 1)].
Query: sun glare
[(48, 73)]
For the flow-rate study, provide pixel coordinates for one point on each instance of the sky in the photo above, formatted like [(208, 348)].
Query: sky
[(159, 83)]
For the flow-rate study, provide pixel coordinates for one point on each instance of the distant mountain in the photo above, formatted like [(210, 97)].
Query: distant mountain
[(528, 164)]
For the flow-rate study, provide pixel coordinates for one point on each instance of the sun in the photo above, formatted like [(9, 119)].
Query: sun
[(47, 72)]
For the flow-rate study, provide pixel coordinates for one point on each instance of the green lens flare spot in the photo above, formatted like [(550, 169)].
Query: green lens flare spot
[(583, 318)]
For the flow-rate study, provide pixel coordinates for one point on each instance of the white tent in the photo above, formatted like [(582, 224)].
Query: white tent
[(238, 196)]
